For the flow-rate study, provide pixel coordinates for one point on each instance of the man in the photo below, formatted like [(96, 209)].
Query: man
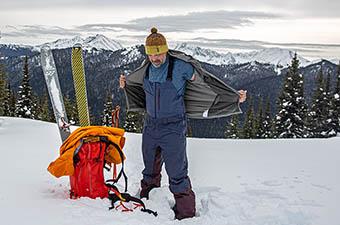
[(171, 86)]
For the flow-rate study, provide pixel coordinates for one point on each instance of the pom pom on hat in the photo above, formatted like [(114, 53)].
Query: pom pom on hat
[(154, 30), (155, 43)]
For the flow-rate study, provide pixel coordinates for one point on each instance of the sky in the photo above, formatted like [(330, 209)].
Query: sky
[(308, 27)]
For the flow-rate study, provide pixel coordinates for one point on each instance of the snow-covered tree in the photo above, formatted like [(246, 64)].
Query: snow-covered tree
[(133, 122), (330, 130), (3, 91), (25, 107), (258, 123), (335, 105), (267, 121), (107, 113), (12, 101), (7, 107), (318, 113), (232, 129), (248, 125), (71, 110), (291, 108), (44, 111)]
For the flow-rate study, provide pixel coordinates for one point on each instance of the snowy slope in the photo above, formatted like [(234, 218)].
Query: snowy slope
[(237, 182), (98, 42), (276, 56), (335, 61)]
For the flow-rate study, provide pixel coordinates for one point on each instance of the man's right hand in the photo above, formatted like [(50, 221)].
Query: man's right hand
[(122, 81)]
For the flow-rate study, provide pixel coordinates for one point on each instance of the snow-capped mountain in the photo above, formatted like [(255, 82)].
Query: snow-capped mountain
[(206, 55), (131, 54), (98, 42), (13, 50), (276, 56), (335, 61)]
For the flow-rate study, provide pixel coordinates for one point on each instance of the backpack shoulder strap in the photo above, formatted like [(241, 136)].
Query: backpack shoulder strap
[(121, 172), (170, 67)]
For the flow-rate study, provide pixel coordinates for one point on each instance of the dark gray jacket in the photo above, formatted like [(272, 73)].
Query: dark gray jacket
[(205, 97)]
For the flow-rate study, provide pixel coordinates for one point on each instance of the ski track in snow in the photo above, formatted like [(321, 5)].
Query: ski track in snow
[(233, 184)]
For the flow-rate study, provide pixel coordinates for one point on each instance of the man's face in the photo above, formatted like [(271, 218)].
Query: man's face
[(157, 60)]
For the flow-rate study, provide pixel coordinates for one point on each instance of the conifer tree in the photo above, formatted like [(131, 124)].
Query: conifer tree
[(25, 106), (6, 105), (317, 126), (291, 109), (258, 126), (248, 125), (232, 129), (189, 129), (335, 105), (330, 130), (3, 92), (71, 110), (107, 113), (44, 112), (133, 122), (267, 121), (12, 102)]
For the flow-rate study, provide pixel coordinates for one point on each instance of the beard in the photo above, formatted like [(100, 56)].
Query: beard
[(157, 63)]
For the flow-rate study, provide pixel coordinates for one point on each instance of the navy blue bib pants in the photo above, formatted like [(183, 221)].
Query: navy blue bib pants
[(164, 140)]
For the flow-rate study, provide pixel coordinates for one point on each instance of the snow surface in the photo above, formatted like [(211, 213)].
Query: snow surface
[(237, 182)]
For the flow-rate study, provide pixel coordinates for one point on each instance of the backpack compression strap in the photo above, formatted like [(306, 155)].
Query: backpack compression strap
[(126, 197)]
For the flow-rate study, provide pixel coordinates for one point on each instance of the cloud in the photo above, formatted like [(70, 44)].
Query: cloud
[(297, 8), (38, 30), (190, 22), (175, 23)]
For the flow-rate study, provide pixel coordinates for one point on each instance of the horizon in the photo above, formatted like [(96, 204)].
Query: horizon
[(174, 44), (243, 25)]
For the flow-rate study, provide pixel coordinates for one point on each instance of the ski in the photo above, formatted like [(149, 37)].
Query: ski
[(79, 81), (54, 91)]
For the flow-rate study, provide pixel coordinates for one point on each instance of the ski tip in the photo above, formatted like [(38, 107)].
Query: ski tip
[(77, 46)]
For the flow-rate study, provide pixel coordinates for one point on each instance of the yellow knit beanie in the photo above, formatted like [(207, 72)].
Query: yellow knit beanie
[(155, 43)]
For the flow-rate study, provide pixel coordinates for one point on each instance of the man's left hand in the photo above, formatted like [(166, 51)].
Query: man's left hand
[(243, 95)]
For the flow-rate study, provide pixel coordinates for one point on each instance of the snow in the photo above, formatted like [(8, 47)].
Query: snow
[(237, 182), (98, 42), (206, 55), (131, 54), (276, 56)]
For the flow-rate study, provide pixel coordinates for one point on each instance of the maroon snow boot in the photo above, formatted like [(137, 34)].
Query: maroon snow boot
[(147, 187), (185, 205)]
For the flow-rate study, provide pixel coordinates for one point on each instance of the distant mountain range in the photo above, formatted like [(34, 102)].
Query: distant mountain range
[(276, 56), (103, 66), (98, 42)]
